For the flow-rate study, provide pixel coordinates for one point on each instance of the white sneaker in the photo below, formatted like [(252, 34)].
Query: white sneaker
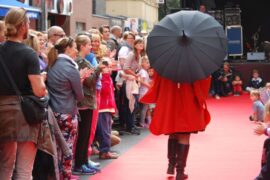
[(217, 97), (95, 164)]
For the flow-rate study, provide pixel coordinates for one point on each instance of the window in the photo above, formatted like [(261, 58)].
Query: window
[(80, 26), (94, 4)]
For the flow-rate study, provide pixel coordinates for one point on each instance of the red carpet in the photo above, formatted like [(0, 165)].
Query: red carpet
[(227, 150)]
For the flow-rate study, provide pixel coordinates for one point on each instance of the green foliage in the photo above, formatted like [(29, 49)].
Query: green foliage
[(164, 9)]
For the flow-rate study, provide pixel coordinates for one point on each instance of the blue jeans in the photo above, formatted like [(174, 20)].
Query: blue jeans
[(17, 159), (103, 132)]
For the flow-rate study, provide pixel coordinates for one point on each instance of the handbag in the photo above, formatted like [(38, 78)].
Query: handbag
[(35, 109)]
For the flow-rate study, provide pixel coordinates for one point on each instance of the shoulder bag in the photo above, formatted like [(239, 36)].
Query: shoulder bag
[(35, 109)]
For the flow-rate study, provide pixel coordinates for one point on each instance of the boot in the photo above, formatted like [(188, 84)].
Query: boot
[(181, 159), (171, 155)]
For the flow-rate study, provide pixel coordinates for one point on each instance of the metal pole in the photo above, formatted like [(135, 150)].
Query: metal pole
[(43, 16)]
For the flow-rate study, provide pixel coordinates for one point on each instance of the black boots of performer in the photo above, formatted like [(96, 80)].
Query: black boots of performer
[(177, 155)]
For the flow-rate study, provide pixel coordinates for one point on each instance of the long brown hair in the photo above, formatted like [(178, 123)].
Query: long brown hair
[(13, 20), (137, 56), (59, 47)]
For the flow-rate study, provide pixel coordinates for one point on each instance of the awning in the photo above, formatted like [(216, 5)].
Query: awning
[(5, 5)]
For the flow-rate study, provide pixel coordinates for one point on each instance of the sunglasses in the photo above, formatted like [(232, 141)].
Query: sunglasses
[(60, 35)]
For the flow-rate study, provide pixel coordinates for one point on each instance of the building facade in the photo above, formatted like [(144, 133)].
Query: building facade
[(141, 14), (72, 15)]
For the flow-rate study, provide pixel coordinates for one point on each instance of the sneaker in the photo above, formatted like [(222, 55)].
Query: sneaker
[(217, 97), (93, 167), (108, 155), (92, 163), (83, 170), (134, 131), (141, 125)]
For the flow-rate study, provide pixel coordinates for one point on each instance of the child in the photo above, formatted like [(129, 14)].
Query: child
[(237, 85), (258, 107), (150, 112), (265, 93), (107, 107), (256, 82), (144, 86), (264, 128)]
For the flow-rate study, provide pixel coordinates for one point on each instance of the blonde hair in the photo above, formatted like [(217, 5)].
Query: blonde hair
[(13, 20), (32, 41), (59, 47), (82, 40), (145, 59), (256, 93), (95, 37)]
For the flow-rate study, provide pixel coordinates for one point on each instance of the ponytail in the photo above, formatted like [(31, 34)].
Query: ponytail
[(52, 57)]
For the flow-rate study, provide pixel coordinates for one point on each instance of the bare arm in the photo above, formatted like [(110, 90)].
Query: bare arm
[(38, 86)]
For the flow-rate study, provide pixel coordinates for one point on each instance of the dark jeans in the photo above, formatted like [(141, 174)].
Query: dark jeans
[(122, 104), (103, 132), (81, 155), (126, 117)]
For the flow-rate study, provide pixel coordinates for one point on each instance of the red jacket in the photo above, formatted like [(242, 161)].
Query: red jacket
[(107, 100), (178, 109)]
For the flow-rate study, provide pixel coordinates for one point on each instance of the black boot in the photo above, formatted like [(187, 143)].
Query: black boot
[(181, 159), (171, 155)]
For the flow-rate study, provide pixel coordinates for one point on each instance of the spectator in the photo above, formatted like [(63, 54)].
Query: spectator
[(106, 109), (237, 85), (224, 80), (263, 128), (144, 86), (258, 107), (2, 34), (131, 67), (86, 107), (65, 89), (18, 140), (54, 33), (255, 81), (105, 34), (113, 42), (265, 93), (33, 42)]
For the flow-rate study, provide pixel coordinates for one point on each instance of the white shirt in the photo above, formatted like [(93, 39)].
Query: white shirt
[(143, 89), (123, 52)]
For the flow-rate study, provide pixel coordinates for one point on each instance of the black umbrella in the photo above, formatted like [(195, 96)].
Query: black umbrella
[(186, 46)]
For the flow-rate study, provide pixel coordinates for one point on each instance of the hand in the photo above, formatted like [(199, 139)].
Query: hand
[(85, 73), (113, 53), (43, 76), (259, 129)]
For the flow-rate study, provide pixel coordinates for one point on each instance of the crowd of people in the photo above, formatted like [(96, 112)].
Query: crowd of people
[(94, 80)]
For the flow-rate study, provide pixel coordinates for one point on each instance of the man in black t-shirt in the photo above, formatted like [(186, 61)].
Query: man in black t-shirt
[(17, 139)]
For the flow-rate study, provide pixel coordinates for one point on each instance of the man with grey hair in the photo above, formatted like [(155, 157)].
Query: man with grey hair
[(116, 33), (55, 33)]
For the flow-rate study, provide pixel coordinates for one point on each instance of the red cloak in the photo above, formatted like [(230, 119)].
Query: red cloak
[(178, 108)]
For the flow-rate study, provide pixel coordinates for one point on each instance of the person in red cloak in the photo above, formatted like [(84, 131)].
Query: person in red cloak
[(180, 110)]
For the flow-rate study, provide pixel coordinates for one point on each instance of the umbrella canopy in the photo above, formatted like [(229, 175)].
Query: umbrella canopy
[(186, 46)]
